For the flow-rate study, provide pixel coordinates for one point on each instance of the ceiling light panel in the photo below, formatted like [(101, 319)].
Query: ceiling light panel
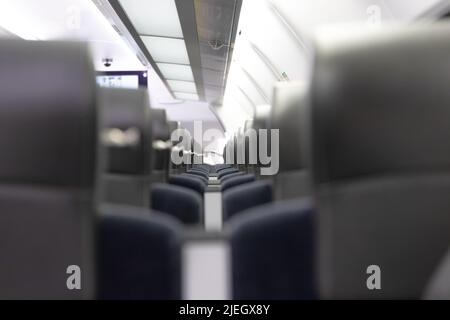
[(176, 71), (154, 17), (167, 50), (186, 96), (182, 86)]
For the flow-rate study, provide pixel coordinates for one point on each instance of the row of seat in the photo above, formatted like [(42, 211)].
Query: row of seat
[(77, 182), (365, 141), (370, 154), (136, 143), (354, 167)]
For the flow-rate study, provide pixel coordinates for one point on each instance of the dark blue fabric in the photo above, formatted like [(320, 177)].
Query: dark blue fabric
[(205, 180), (203, 167), (198, 173), (231, 175), (273, 252), (182, 203), (200, 169), (193, 183), (227, 171), (138, 255), (236, 181), (221, 167), (246, 196)]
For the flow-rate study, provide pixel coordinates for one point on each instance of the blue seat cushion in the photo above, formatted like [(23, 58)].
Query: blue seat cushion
[(273, 252), (182, 203), (138, 255), (246, 196)]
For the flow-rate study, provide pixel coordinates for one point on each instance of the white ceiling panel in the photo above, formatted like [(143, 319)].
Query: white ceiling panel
[(154, 17), (167, 50), (176, 71), (182, 86)]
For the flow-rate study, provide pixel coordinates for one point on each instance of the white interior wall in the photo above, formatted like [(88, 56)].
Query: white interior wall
[(261, 28)]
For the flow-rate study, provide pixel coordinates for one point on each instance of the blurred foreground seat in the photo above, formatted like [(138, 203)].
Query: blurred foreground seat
[(380, 128), (49, 240), (48, 134)]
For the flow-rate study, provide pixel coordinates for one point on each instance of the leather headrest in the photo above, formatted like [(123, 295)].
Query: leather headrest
[(47, 114), (290, 118), (380, 104), (126, 130)]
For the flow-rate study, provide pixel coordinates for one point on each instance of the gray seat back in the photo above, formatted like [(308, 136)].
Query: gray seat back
[(161, 156), (127, 139), (290, 118), (380, 128), (48, 139)]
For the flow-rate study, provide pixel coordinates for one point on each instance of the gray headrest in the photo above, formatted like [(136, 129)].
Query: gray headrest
[(126, 130), (160, 125), (47, 114), (173, 125), (289, 116), (380, 126), (381, 103), (48, 138), (262, 118)]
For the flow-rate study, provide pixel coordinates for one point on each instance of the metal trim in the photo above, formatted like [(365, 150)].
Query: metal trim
[(188, 21)]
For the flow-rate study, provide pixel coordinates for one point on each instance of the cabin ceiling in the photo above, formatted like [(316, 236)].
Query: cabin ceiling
[(188, 42)]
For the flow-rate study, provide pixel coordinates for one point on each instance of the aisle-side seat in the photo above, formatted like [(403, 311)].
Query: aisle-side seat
[(273, 244), (272, 252), (217, 167), (201, 177), (204, 168), (161, 134), (198, 173), (192, 182), (380, 128), (246, 196), (182, 203), (223, 173), (231, 175), (49, 197), (222, 167), (139, 255), (289, 115), (47, 169), (128, 160), (236, 181)]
